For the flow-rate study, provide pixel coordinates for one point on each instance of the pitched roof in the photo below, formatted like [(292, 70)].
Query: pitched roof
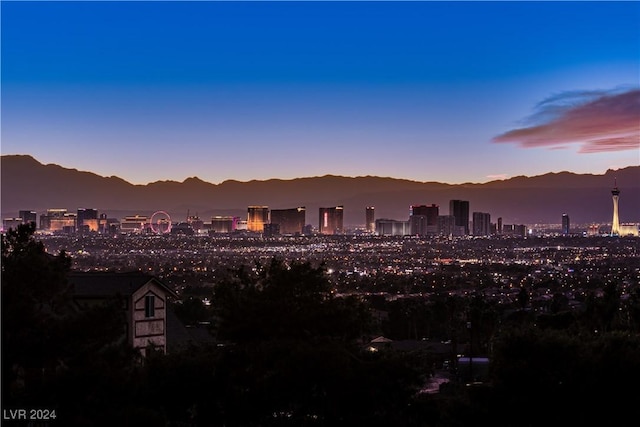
[(381, 339), (102, 284)]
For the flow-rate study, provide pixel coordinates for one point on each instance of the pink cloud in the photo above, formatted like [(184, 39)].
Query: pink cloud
[(599, 123), (611, 144), (500, 177)]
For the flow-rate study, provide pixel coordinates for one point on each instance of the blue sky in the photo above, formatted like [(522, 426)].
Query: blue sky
[(430, 91)]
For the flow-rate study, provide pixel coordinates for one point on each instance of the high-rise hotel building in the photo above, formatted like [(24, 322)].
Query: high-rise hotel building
[(289, 221), (28, 217), (224, 223), (565, 224), (24, 217), (481, 224), (87, 220), (257, 217), (370, 219), (423, 219), (331, 220), (460, 211), (134, 223), (446, 225), (58, 220), (392, 227)]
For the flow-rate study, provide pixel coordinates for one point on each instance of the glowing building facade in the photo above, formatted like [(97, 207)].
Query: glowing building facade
[(616, 228), (224, 224), (615, 223), (58, 220), (134, 223), (392, 227), (87, 220), (331, 220), (257, 217)]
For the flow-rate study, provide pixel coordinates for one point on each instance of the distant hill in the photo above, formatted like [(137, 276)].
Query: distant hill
[(30, 185)]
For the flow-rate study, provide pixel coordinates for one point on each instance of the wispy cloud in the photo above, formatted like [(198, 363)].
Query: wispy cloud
[(598, 121)]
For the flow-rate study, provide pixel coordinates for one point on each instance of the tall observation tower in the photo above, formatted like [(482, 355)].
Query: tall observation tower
[(615, 223)]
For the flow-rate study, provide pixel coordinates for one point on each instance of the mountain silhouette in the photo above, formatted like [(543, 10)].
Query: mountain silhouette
[(30, 185)]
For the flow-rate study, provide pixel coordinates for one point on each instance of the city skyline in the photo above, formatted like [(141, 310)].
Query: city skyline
[(423, 220), (426, 91), (28, 184)]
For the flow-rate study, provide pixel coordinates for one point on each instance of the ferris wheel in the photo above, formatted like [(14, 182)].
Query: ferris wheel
[(160, 222)]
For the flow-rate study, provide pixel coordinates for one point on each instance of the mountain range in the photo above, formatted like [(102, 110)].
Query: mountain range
[(28, 184)]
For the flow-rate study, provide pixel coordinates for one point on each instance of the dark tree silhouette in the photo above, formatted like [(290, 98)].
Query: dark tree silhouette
[(34, 298), (523, 298), (285, 301), (294, 356), (53, 353)]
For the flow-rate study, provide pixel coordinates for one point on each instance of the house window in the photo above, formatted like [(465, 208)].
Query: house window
[(149, 306)]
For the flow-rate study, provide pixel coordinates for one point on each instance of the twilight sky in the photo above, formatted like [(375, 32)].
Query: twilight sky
[(431, 91)]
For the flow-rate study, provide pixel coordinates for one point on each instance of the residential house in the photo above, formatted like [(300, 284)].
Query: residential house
[(144, 299)]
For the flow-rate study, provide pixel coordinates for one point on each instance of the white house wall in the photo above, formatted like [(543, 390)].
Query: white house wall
[(149, 330)]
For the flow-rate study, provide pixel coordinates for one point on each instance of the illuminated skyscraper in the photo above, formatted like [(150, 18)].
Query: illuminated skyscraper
[(460, 210), (87, 220), (565, 224), (257, 217), (370, 219), (224, 224), (58, 220), (290, 221), (615, 223), (331, 220)]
